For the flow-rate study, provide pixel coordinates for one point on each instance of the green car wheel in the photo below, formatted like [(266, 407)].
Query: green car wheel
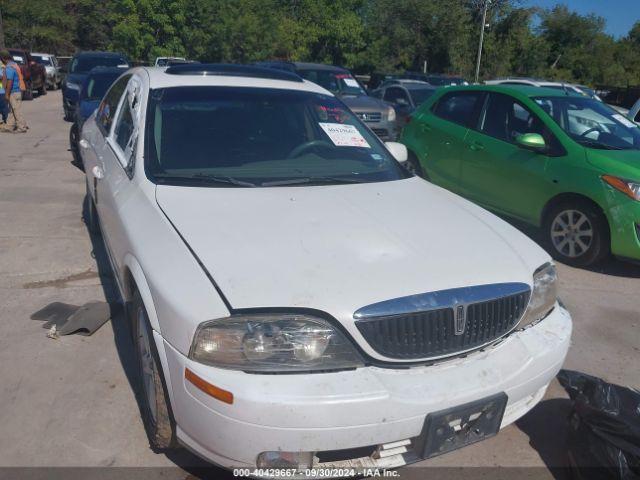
[(577, 234)]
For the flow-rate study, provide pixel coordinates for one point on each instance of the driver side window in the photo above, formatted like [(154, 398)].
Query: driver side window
[(505, 119), (396, 95), (107, 109)]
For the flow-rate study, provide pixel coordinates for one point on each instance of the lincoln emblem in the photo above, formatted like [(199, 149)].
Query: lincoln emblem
[(460, 320)]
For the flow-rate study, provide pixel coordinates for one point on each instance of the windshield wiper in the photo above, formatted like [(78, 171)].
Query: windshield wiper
[(305, 180), (205, 177), (595, 144)]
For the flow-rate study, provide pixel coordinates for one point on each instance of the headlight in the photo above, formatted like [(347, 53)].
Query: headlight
[(73, 86), (628, 187), (273, 343), (543, 296), (391, 114)]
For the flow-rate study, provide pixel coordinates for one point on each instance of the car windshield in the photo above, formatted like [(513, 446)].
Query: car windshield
[(224, 136), (97, 85), (339, 83), (42, 60), (591, 123), (84, 64), (19, 59), (420, 95)]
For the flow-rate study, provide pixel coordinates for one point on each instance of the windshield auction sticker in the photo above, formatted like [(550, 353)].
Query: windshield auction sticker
[(343, 135), (624, 120)]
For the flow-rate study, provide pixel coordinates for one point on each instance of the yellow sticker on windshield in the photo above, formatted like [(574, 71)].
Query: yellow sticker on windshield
[(343, 135)]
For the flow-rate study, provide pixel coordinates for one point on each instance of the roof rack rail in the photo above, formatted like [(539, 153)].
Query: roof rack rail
[(232, 70)]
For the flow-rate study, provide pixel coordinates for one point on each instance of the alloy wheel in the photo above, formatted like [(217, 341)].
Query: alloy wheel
[(571, 233)]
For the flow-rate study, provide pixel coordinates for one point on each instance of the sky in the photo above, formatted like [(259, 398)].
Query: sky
[(619, 14)]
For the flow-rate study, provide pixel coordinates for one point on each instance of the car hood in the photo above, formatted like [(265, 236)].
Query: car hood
[(624, 163), (341, 247), (86, 108), (364, 103)]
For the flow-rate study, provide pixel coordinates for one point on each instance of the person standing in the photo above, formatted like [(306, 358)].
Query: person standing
[(4, 106), (14, 86)]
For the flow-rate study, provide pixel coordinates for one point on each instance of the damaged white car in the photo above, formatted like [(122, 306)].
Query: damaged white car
[(297, 299)]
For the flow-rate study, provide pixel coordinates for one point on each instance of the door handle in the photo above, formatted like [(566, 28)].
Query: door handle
[(84, 144), (425, 128), (476, 146), (97, 172)]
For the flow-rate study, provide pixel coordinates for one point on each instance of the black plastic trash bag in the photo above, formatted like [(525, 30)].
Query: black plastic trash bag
[(604, 428)]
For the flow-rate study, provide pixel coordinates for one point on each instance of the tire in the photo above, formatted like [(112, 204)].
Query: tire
[(577, 233), (412, 165), (42, 90), (73, 144), (154, 400), (28, 93), (91, 214)]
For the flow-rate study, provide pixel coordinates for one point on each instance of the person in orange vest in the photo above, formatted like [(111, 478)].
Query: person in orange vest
[(14, 85)]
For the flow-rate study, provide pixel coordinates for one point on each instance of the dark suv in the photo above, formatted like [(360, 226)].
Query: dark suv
[(78, 69), (379, 116), (34, 74)]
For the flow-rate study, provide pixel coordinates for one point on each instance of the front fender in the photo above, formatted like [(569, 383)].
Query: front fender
[(140, 283)]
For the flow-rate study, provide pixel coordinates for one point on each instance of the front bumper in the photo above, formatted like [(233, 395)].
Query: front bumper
[(370, 406), (384, 130), (624, 222)]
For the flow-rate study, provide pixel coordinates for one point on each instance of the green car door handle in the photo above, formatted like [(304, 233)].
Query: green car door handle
[(425, 128), (475, 146)]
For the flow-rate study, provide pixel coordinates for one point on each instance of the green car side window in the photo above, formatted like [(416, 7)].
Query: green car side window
[(460, 107), (505, 118)]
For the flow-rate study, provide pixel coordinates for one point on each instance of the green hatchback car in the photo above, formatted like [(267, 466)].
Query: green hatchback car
[(565, 163)]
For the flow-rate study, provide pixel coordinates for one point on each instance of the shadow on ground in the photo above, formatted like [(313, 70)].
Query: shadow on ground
[(194, 466), (546, 425)]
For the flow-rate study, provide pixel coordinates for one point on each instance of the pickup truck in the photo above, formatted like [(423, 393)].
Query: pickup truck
[(34, 74)]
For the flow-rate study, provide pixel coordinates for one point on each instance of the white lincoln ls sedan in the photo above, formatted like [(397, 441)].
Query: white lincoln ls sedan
[(297, 299)]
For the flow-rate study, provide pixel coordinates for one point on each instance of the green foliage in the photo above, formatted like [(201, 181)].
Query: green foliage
[(365, 35)]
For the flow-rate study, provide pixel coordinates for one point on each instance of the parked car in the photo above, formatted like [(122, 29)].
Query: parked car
[(533, 82), (378, 115), (94, 87), (33, 73), (567, 164), (437, 79), (164, 61), (52, 69), (297, 300), (405, 96), (79, 67), (634, 112)]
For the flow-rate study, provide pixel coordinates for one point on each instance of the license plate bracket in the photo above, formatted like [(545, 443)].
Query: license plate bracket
[(463, 425)]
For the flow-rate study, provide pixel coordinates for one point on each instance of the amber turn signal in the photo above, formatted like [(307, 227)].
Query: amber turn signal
[(206, 387)]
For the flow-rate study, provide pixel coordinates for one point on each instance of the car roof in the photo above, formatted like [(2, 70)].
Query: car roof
[(524, 90), (164, 78), (42, 54), (95, 71), (100, 54), (319, 66), (419, 86)]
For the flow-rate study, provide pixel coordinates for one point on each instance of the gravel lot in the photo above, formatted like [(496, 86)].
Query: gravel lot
[(70, 402)]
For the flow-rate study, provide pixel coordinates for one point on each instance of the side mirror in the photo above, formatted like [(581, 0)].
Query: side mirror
[(398, 150), (531, 141)]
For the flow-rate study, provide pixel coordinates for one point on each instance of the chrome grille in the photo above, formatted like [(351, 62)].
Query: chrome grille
[(433, 332), (369, 117)]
